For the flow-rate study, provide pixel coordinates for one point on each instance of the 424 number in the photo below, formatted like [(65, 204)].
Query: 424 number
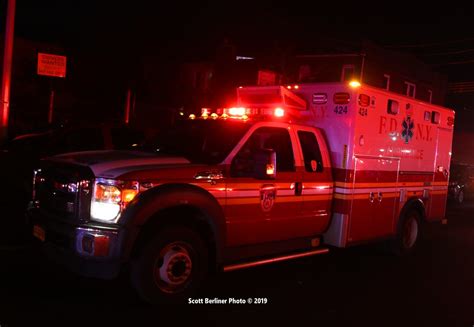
[(340, 110)]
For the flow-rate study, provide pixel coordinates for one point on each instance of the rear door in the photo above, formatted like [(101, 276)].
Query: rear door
[(443, 160)]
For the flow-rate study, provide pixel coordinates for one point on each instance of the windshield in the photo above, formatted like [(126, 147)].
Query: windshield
[(199, 141)]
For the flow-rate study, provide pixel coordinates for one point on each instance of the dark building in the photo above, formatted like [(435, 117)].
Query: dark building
[(398, 72), (212, 83), (30, 92)]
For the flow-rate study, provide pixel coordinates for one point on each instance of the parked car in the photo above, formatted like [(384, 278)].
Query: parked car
[(21, 156), (461, 184)]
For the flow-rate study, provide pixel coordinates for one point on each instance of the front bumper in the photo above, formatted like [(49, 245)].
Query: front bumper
[(88, 249)]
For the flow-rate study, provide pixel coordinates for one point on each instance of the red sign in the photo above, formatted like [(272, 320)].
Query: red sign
[(51, 65)]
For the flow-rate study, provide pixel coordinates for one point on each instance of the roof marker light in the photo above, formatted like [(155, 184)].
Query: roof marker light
[(354, 84), (296, 87)]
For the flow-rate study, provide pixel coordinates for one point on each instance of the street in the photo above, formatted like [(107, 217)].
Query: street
[(353, 287)]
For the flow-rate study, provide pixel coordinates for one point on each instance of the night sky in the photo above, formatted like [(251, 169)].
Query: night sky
[(169, 27), (105, 41)]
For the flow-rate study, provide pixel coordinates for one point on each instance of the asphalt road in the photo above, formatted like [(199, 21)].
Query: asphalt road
[(363, 286)]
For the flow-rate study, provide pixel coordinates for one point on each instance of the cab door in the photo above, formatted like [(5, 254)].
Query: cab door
[(259, 210), (317, 186)]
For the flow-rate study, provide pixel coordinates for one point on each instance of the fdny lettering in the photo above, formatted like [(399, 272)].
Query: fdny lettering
[(320, 111), (363, 111), (422, 132), (340, 110), (387, 127)]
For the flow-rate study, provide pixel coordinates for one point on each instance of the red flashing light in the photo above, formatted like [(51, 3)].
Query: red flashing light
[(279, 112), (450, 121), (364, 100), (342, 98), (239, 111)]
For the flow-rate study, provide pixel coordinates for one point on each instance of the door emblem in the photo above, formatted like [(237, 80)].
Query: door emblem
[(267, 197)]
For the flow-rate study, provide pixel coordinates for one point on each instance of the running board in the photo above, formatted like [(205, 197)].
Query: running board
[(273, 260)]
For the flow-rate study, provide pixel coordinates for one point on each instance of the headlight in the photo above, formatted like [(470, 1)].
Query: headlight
[(110, 197)]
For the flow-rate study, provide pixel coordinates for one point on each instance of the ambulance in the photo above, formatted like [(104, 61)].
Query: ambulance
[(285, 172)]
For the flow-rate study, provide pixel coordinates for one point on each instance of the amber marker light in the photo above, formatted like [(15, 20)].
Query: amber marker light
[(354, 84), (128, 195)]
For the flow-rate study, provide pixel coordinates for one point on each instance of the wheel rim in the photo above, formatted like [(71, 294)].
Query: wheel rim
[(410, 232), (173, 267)]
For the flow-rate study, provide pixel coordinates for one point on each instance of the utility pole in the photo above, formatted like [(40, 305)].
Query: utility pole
[(51, 107), (127, 106), (7, 70)]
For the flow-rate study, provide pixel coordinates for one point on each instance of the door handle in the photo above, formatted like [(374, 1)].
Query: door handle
[(371, 197), (380, 195), (298, 188), (211, 176)]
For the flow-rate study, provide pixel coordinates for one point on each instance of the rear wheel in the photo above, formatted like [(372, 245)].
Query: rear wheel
[(171, 266), (408, 232)]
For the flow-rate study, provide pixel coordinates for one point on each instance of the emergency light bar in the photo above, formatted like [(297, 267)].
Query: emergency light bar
[(269, 96), (259, 102), (240, 113)]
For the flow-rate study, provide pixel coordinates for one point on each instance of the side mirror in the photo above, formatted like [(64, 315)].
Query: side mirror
[(265, 164)]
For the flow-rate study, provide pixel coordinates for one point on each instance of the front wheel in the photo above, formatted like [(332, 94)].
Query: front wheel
[(408, 233), (171, 266)]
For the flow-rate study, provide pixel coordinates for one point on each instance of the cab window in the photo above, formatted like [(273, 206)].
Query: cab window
[(276, 139), (313, 161)]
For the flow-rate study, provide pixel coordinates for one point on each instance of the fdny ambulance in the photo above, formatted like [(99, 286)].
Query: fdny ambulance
[(285, 173)]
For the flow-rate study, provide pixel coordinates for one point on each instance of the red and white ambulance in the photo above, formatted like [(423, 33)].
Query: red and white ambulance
[(285, 173), (387, 151)]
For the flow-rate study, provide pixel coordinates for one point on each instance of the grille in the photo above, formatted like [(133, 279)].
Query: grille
[(63, 190)]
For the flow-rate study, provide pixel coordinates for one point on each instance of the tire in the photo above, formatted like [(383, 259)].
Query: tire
[(171, 266), (408, 233)]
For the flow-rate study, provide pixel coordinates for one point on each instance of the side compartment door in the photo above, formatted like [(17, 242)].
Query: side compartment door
[(317, 188), (259, 210), (374, 196)]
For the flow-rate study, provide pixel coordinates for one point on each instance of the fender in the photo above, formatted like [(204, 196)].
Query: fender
[(413, 203), (147, 204)]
